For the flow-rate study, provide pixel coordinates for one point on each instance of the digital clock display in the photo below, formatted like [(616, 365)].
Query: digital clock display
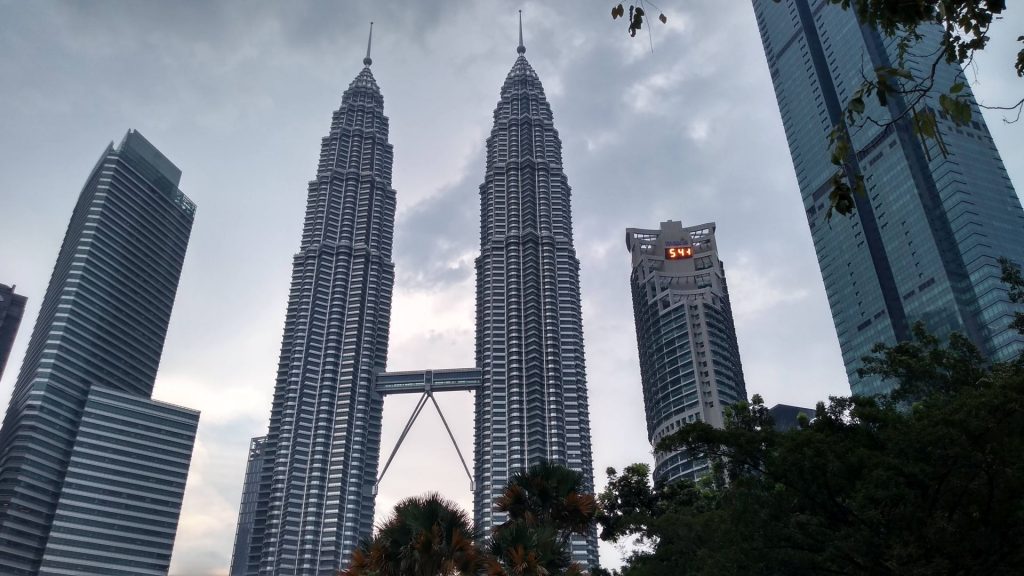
[(678, 252)]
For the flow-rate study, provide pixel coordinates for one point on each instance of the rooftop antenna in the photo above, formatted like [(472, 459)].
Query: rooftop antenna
[(367, 61), (521, 49)]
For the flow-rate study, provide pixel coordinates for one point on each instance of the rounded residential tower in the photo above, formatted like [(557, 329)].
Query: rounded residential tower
[(689, 360)]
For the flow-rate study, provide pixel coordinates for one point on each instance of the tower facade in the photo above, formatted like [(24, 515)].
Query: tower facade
[(690, 366), (240, 557), (924, 242), (532, 403), (315, 498), (12, 308), (74, 494)]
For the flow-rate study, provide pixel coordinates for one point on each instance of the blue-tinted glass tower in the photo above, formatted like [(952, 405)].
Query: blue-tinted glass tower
[(690, 366), (532, 403), (92, 471), (315, 500), (924, 241)]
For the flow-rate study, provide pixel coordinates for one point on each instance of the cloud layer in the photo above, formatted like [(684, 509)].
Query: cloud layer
[(238, 95)]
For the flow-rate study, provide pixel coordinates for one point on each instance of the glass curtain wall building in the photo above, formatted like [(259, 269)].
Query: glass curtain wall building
[(924, 241), (532, 404), (12, 308), (689, 360), (240, 556), (315, 500), (92, 471)]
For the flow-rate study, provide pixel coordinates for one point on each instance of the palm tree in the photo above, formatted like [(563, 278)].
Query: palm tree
[(424, 536), (546, 504), (550, 494), (517, 549)]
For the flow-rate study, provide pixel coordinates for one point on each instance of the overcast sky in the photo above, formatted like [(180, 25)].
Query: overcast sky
[(239, 94)]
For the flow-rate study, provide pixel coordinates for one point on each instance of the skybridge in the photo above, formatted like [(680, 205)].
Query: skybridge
[(426, 383)]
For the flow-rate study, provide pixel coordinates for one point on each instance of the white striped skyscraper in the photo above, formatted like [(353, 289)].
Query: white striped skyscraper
[(92, 471), (532, 404)]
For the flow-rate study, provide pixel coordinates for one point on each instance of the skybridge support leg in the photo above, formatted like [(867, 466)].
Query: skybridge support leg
[(412, 419), (408, 426), (472, 485)]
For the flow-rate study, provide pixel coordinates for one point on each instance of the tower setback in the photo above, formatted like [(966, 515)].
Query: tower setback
[(92, 471)]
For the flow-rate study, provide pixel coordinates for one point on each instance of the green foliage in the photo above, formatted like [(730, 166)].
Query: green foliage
[(637, 15), (424, 536), (1013, 279), (965, 25), (546, 504), (431, 536), (929, 481)]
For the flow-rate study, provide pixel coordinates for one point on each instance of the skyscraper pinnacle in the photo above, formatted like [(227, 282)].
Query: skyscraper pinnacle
[(367, 61), (521, 49)]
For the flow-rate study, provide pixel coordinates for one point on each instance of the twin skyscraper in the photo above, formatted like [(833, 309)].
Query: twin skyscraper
[(92, 470), (310, 484)]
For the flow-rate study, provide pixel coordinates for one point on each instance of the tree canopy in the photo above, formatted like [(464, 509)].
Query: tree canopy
[(429, 535), (927, 481)]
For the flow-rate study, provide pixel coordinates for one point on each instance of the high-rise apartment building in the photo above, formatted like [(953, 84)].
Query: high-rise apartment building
[(12, 308), (924, 241), (92, 471), (689, 360), (315, 502), (532, 404)]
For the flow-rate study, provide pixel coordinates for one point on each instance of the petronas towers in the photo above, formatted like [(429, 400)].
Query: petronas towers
[(532, 405), (310, 484)]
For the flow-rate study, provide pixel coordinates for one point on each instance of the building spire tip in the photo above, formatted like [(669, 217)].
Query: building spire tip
[(521, 49), (368, 61)]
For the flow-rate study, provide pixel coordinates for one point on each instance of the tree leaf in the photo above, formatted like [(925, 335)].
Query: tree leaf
[(957, 88), (663, 18)]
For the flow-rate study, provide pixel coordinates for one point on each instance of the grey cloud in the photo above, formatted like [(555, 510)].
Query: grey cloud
[(238, 94), (432, 237)]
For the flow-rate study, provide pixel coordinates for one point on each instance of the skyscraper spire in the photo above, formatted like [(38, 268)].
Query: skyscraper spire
[(521, 49), (367, 61)]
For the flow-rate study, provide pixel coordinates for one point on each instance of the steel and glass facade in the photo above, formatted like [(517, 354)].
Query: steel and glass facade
[(925, 239), (315, 502), (532, 403), (317, 468), (95, 350), (12, 308), (119, 505), (240, 555), (690, 366)]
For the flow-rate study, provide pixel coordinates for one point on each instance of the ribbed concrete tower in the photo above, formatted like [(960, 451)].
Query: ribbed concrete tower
[(532, 403), (315, 501)]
